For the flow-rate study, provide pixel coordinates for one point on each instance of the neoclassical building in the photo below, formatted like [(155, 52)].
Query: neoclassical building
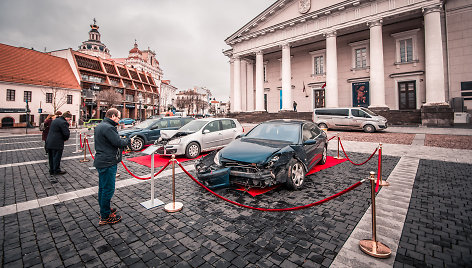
[(406, 56)]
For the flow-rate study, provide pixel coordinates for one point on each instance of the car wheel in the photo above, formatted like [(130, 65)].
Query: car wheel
[(137, 144), (296, 175), (323, 125), (369, 128), (323, 156), (193, 150)]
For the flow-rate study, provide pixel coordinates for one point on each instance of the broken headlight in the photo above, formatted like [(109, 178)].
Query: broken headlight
[(174, 142), (274, 159), (217, 159)]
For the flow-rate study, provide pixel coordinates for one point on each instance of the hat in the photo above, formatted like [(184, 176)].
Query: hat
[(58, 113), (67, 115)]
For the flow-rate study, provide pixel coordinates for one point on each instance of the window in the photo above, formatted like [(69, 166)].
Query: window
[(360, 54), (318, 62), (10, 95), (359, 113), (175, 123), (265, 71), (48, 97), (405, 44), (360, 57), (213, 126), (407, 95), (69, 99), (335, 112), (227, 124), (27, 96)]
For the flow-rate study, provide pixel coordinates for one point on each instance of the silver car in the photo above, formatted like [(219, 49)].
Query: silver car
[(198, 136)]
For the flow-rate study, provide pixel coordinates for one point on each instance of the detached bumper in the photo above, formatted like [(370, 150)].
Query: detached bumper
[(215, 179)]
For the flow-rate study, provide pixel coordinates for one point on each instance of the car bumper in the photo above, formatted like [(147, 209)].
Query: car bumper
[(171, 149)]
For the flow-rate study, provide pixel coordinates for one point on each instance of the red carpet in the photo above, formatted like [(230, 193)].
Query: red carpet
[(159, 160), (330, 162)]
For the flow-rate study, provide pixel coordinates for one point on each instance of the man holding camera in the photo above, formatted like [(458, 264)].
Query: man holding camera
[(108, 153)]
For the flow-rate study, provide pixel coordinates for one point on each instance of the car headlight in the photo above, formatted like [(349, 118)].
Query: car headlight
[(274, 159), (174, 142), (217, 159), (123, 136)]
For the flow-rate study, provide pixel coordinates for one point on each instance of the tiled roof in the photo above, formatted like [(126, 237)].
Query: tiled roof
[(27, 66)]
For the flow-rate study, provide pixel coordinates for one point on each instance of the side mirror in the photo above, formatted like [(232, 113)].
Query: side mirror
[(309, 142), (205, 131)]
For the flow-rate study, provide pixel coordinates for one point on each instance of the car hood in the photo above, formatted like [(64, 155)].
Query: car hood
[(251, 150), (169, 134), (130, 131)]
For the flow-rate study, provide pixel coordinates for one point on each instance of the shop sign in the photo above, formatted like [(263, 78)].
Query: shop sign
[(130, 106), (12, 110)]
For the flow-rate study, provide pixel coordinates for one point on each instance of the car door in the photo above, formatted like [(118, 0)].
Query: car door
[(155, 131), (341, 118), (228, 130), (211, 135), (313, 146)]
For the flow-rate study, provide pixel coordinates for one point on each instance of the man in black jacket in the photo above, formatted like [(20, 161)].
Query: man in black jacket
[(58, 134), (108, 153)]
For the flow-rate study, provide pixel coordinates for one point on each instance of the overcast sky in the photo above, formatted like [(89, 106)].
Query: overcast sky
[(187, 35)]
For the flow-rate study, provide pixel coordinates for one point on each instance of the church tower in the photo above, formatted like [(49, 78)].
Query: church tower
[(93, 46)]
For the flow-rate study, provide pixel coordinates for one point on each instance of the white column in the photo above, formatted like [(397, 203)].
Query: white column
[(331, 89), (377, 73), (286, 78), (250, 86), (434, 65), (259, 81), (237, 85)]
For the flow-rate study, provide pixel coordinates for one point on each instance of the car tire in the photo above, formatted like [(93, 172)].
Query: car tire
[(322, 125), (323, 156), (192, 150), (296, 175), (137, 144), (369, 129)]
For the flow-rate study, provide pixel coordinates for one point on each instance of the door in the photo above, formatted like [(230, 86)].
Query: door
[(312, 144), (319, 98), (155, 131), (265, 102), (281, 99), (228, 129), (341, 117), (211, 135), (407, 95)]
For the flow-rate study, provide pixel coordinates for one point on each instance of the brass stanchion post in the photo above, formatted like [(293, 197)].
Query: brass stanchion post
[(174, 206), (381, 182), (85, 151), (338, 157), (371, 246)]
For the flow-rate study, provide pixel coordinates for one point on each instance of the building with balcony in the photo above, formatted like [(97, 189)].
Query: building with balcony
[(405, 59)]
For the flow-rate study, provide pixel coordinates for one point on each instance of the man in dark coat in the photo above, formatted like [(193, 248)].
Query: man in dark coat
[(58, 134), (108, 153)]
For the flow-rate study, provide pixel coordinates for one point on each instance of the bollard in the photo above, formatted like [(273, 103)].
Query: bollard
[(174, 206), (338, 157), (77, 142), (373, 247), (381, 182), (85, 151)]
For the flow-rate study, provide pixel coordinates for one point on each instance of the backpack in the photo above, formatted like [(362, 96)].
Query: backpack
[(42, 127)]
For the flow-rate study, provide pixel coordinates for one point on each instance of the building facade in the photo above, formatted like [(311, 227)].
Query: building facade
[(168, 95), (394, 55), (34, 84)]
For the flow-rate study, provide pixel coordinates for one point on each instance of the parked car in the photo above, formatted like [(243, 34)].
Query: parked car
[(199, 136), (92, 122), (126, 121), (149, 131), (273, 152), (349, 118)]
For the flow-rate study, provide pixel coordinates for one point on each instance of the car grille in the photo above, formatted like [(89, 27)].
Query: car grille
[(243, 167)]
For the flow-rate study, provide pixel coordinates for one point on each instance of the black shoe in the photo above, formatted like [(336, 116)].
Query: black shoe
[(112, 219), (61, 172)]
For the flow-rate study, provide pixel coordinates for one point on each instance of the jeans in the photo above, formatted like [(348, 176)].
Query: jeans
[(54, 160), (106, 189)]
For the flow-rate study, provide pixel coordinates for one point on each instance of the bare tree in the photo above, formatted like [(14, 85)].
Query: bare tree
[(57, 98), (110, 97)]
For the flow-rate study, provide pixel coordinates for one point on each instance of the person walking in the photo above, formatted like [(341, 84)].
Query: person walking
[(108, 153), (294, 106), (57, 135)]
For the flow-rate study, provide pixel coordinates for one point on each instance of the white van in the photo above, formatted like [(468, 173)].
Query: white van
[(349, 118)]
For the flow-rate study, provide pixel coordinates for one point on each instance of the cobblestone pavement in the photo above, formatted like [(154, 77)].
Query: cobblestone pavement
[(62, 230)]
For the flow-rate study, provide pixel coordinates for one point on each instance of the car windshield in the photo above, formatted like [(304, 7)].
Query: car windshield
[(276, 131), (145, 124), (193, 126), (369, 112)]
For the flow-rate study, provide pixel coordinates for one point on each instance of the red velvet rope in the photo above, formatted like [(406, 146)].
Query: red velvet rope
[(379, 170), (88, 145), (331, 138), (350, 159), (272, 209), (144, 178), (80, 138)]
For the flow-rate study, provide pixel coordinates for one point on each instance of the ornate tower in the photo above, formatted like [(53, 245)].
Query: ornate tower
[(93, 46)]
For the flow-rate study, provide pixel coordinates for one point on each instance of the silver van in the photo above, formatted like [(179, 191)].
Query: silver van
[(349, 118)]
